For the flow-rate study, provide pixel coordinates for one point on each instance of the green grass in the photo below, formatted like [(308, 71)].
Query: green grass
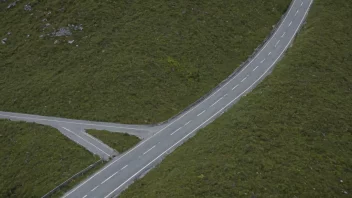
[(34, 159), (121, 142), (138, 61), (290, 137)]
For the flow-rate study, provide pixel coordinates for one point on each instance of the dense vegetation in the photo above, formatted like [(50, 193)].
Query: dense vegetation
[(121, 142), (290, 137), (34, 159), (138, 61)]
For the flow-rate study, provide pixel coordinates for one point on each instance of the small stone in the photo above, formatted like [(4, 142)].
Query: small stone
[(28, 35), (56, 42), (341, 180), (9, 33), (3, 41), (41, 36), (76, 45), (345, 192), (12, 4), (28, 7), (64, 31), (70, 42)]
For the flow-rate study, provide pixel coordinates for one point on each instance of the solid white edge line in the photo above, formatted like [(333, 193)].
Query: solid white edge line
[(148, 150), (97, 140), (266, 71), (85, 140), (243, 69)]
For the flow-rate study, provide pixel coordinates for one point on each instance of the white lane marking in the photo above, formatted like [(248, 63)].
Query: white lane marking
[(216, 102), (225, 95), (262, 60), (110, 177), (301, 3), (269, 53), (142, 142), (124, 167), (85, 140), (296, 12), (290, 24), (255, 68), (283, 35), (188, 122), (67, 122), (94, 188), (176, 131), (84, 196), (95, 139), (201, 113), (244, 79), (234, 87), (277, 43), (148, 150), (266, 71)]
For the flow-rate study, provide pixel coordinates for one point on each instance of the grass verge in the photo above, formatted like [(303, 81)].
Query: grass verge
[(290, 137), (121, 142), (139, 61), (34, 159)]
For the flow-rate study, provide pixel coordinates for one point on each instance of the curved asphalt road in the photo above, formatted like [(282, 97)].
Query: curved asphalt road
[(122, 171)]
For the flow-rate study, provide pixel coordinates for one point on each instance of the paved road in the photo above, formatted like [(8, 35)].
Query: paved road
[(123, 170), (75, 130)]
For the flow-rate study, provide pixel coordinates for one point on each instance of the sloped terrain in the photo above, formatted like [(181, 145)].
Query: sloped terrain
[(290, 137), (123, 61)]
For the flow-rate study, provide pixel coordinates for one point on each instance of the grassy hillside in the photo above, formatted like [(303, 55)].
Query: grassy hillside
[(34, 159), (138, 61), (290, 137), (118, 141)]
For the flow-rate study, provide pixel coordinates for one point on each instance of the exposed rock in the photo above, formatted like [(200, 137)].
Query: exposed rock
[(28, 7), (56, 42), (70, 42), (13, 4), (64, 31), (76, 27), (3, 41)]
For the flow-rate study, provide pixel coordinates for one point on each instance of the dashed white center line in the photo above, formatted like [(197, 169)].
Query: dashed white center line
[(269, 53), (147, 151), (188, 122), (244, 79), (110, 177), (200, 113), (262, 60), (290, 24), (127, 165), (283, 34), (225, 95), (234, 87), (296, 12), (84, 196), (255, 68), (216, 102), (277, 43), (94, 188), (175, 131), (301, 3)]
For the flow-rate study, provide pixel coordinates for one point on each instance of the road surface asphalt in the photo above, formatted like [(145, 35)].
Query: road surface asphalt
[(160, 140), (124, 169)]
